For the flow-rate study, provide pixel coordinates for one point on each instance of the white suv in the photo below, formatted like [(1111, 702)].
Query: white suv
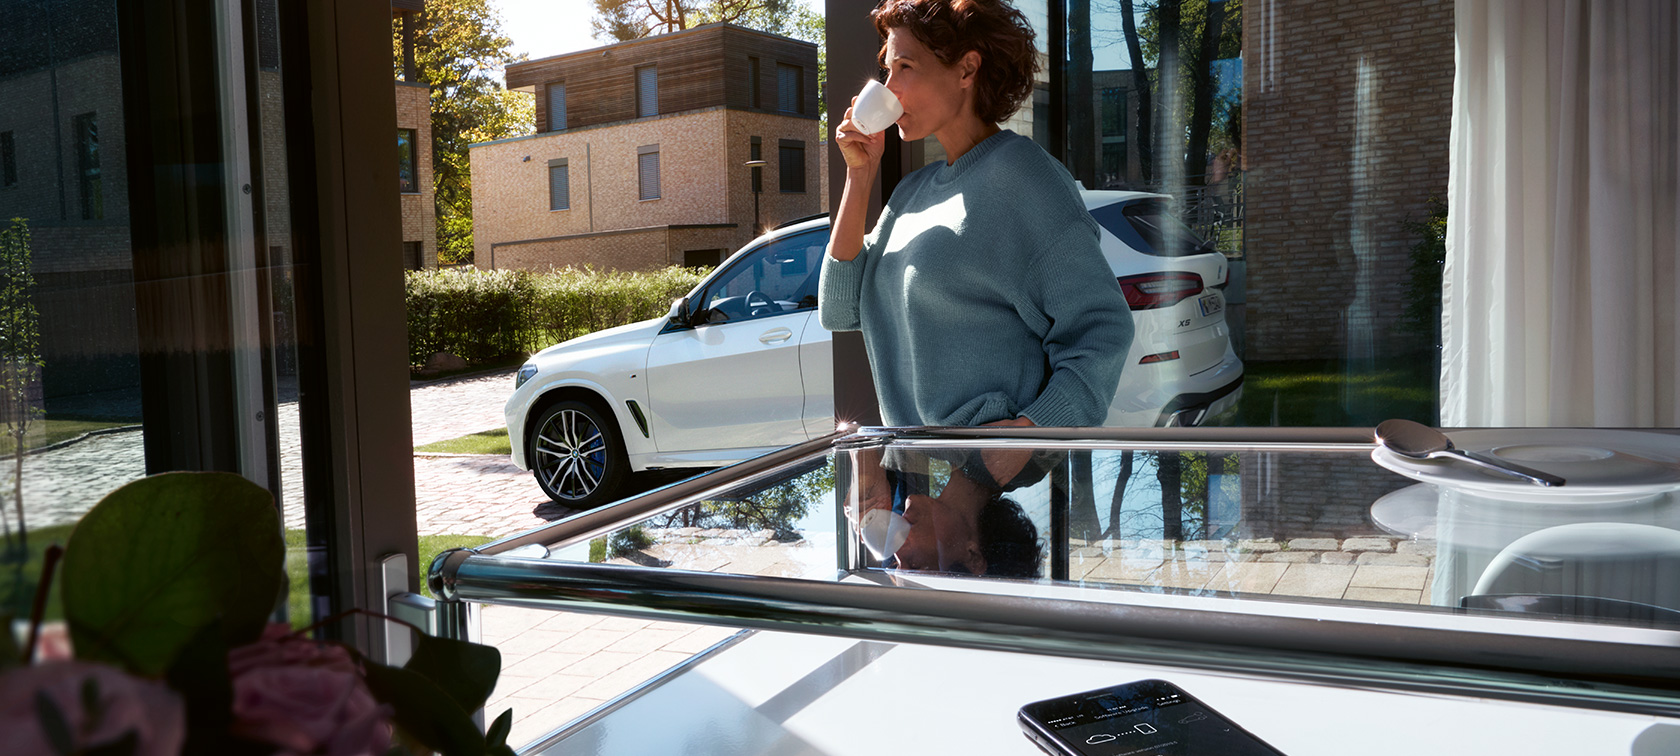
[(741, 366)]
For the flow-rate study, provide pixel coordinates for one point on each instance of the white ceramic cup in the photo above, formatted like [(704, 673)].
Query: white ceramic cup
[(883, 531), (876, 109)]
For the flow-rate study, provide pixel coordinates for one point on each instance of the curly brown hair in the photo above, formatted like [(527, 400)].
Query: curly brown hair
[(950, 28)]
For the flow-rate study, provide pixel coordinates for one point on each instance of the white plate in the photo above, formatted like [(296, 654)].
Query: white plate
[(1598, 465)]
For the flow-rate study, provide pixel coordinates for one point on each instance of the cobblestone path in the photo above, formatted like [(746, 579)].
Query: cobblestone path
[(477, 495)]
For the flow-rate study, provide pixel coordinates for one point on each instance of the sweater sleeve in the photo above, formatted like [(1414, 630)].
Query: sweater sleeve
[(1089, 329), (841, 286), (840, 290)]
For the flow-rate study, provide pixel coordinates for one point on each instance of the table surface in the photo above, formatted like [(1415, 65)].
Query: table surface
[(784, 695)]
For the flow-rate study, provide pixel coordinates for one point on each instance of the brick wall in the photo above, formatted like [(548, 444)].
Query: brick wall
[(1312, 496), (419, 211), (1346, 110), (703, 181)]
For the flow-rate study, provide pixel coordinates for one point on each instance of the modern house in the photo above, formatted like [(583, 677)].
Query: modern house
[(641, 154), (414, 149)]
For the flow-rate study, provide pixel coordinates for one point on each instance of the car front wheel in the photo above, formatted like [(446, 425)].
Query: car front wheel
[(576, 455)]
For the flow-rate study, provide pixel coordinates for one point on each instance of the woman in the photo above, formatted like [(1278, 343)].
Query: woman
[(981, 293)]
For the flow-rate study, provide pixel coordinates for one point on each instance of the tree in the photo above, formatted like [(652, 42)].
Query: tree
[(20, 362), (1185, 38), (624, 20), (460, 52)]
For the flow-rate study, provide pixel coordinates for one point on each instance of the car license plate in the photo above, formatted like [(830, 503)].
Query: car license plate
[(1211, 304)]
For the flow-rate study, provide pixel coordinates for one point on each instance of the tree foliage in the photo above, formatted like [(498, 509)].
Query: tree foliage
[(624, 20), (1191, 120), (460, 51), (20, 360)]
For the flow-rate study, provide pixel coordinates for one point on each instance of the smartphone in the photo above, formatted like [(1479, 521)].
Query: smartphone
[(1143, 718)]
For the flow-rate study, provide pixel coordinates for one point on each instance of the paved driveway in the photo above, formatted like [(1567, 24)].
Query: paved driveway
[(467, 495)]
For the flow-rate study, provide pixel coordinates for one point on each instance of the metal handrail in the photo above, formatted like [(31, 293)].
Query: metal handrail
[(1609, 675), (1598, 674)]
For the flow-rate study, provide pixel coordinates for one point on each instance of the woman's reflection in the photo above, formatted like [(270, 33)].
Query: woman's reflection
[(969, 527)]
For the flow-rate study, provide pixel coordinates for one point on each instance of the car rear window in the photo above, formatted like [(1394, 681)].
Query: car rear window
[(1162, 234)]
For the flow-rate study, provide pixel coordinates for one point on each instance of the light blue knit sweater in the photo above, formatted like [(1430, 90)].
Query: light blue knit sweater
[(982, 295)]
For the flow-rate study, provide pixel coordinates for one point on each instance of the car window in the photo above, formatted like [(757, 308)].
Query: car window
[(779, 277), (1162, 234)]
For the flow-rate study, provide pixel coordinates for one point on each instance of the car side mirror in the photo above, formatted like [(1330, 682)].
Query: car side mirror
[(678, 316)]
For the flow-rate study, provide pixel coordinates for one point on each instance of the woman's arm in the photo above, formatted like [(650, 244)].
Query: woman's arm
[(1090, 329), (842, 271)]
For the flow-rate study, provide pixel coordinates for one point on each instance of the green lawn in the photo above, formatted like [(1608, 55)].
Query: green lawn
[(1329, 393), (297, 568), (17, 589), (48, 431), (484, 442)]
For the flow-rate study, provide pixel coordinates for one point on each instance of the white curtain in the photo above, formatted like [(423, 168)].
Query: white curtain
[(1560, 284)]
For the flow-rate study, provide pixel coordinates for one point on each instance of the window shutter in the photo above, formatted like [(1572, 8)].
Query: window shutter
[(559, 187), (647, 91), (648, 178), (792, 166), (790, 83), (556, 107)]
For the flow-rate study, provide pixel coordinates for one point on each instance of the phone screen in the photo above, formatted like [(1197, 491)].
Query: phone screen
[(1147, 718)]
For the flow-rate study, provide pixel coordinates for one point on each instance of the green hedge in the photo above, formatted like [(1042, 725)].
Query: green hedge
[(488, 315)]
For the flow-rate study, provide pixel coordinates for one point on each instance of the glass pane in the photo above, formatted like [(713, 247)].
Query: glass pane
[(95, 314)]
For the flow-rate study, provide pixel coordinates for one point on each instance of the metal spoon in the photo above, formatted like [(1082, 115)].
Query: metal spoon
[(1419, 441)]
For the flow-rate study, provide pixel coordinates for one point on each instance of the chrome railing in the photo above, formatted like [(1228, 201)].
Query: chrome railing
[(1570, 664)]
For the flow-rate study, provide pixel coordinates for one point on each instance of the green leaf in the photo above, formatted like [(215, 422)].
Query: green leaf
[(160, 558), (499, 730), (53, 723), (425, 711), (467, 671)]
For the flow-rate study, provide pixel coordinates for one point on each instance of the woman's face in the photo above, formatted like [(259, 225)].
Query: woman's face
[(943, 537), (932, 92)]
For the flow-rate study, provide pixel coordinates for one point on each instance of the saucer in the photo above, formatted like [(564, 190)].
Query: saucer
[(1598, 465)]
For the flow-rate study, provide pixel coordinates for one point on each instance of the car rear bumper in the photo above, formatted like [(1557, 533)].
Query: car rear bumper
[(1186, 410)]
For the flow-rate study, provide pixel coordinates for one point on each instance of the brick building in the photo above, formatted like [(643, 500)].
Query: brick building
[(414, 149), (1346, 113), (62, 141), (639, 160)]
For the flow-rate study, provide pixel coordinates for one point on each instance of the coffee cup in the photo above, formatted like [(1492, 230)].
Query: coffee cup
[(883, 531), (876, 108)]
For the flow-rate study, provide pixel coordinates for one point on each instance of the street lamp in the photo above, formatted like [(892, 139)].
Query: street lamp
[(757, 167)]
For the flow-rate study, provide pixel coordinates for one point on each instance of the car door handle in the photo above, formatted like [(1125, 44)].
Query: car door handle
[(776, 336)]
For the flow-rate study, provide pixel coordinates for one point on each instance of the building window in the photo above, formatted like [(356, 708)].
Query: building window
[(559, 185), (702, 258), (86, 128), (752, 82), (556, 107), (8, 160), (758, 171), (647, 172), (793, 165), (411, 255), (408, 163), (647, 91), (790, 83), (1114, 112)]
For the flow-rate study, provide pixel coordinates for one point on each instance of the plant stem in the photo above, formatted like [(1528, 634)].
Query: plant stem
[(49, 563)]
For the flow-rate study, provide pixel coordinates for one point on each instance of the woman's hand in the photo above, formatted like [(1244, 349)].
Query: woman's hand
[(1005, 464), (861, 151)]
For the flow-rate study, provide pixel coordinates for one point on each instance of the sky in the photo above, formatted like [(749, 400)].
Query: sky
[(541, 28)]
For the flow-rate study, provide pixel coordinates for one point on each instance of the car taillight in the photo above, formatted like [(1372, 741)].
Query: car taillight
[(1152, 290), (1161, 357)]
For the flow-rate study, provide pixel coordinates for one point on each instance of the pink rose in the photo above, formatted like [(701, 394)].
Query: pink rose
[(126, 704), (306, 697), (54, 642)]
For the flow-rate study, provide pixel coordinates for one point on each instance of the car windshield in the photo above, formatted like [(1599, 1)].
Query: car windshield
[(1164, 235)]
